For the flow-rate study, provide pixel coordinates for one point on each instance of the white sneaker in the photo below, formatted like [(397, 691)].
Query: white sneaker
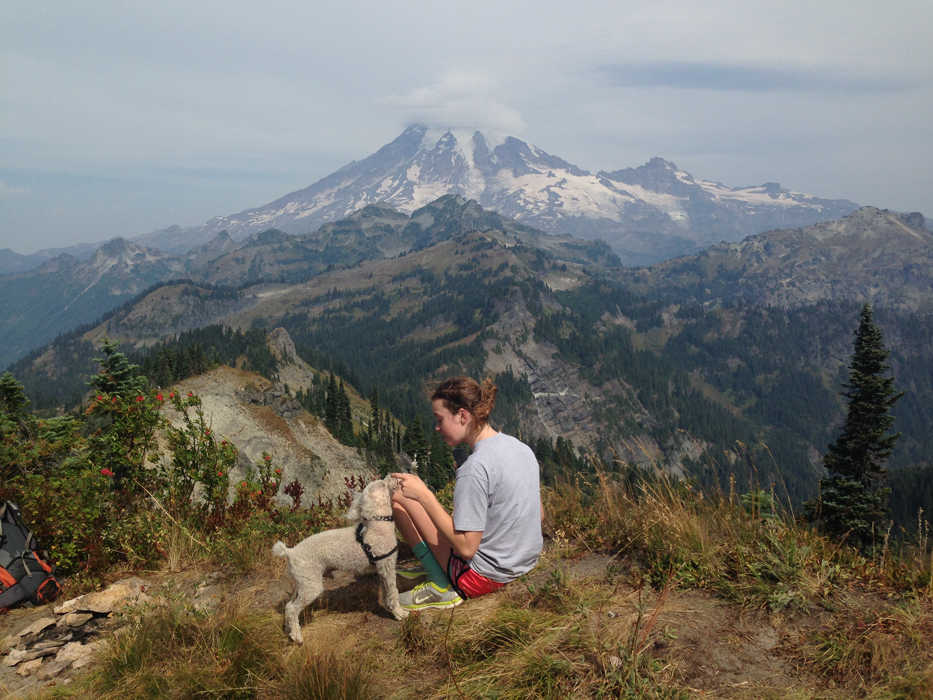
[(429, 595)]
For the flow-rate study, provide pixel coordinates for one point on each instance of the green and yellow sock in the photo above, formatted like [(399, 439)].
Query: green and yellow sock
[(430, 564)]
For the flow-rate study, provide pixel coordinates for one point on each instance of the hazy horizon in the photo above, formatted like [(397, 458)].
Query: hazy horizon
[(118, 122)]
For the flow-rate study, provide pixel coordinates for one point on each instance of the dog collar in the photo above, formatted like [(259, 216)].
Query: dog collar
[(373, 558)]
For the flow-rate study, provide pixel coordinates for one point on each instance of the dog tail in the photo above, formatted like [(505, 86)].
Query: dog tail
[(279, 549)]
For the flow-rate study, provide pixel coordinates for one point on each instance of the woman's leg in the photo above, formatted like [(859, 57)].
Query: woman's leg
[(416, 526)]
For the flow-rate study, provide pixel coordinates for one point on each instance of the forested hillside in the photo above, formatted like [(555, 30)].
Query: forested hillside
[(687, 367)]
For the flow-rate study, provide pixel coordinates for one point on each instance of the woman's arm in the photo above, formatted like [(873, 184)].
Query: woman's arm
[(464, 542)]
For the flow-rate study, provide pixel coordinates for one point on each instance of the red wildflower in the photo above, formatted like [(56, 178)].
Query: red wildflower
[(220, 473), (190, 394), (100, 398), (278, 470), (139, 398), (158, 397), (113, 400), (243, 484), (171, 394), (207, 432), (268, 458), (106, 472)]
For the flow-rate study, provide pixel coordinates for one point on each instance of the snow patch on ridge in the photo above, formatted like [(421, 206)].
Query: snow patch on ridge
[(579, 195), (670, 204), (757, 195)]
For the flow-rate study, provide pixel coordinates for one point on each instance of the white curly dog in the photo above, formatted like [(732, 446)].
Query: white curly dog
[(369, 543)]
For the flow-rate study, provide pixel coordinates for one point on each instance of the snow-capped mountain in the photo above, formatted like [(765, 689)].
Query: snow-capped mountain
[(646, 214)]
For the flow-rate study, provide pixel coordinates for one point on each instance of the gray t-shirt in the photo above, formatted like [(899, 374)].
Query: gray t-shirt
[(498, 492)]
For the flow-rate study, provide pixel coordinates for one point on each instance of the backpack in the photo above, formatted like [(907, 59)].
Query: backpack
[(25, 573)]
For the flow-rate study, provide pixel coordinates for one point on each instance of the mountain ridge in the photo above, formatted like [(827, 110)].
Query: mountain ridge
[(524, 182), (65, 292), (670, 366), (872, 255)]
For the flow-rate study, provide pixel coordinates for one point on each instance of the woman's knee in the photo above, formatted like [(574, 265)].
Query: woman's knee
[(399, 509)]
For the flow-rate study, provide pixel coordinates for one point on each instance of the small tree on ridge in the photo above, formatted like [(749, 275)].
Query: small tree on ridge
[(854, 495)]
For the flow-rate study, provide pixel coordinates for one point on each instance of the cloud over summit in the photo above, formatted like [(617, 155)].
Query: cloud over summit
[(459, 99)]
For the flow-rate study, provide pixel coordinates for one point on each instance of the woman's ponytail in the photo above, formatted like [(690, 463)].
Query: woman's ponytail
[(464, 392)]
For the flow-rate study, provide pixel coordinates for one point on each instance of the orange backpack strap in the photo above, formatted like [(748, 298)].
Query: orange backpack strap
[(45, 565)]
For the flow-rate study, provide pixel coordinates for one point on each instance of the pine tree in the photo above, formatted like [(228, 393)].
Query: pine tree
[(854, 495), (344, 417), (13, 400), (123, 418), (415, 445), (331, 405), (16, 426), (117, 374), (441, 465)]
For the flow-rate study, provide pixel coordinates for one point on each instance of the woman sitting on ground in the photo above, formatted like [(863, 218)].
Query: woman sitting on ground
[(494, 533)]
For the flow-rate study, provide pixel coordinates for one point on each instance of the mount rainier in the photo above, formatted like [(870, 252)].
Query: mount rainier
[(649, 213)]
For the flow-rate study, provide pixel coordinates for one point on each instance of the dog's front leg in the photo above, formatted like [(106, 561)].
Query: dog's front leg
[(386, 571)]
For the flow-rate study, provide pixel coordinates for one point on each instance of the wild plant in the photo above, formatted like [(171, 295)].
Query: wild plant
[(199, 461)]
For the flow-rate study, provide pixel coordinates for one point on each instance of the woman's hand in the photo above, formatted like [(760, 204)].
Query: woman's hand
[(411, 486)]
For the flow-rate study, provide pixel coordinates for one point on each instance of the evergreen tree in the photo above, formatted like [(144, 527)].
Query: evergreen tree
[(854, 494), (123, 418), (331, 405), (344, 417), (117, 374), (441, 465), (16, 424), (415, 445), (374, 424), (13, 400)]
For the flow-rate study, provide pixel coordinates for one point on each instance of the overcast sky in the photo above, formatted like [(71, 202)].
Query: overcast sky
[(118, 118)]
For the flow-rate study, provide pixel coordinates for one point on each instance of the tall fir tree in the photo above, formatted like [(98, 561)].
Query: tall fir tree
[(117, 374), (344, 416), (13, 400), (441, 465), (854, 494), (331, 405)]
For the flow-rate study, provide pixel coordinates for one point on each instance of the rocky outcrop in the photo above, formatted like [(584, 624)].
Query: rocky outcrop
[(293, 371), (258, 417), (72, 635)]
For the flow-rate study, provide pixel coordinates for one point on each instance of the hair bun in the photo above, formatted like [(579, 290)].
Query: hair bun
[(467, 393)]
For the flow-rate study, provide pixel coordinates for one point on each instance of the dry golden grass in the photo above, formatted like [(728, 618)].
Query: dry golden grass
[(645, 591)]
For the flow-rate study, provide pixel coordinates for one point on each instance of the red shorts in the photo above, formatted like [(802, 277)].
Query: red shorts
[(467, 582)]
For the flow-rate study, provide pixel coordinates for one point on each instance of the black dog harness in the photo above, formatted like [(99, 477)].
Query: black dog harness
[(361, 528)]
